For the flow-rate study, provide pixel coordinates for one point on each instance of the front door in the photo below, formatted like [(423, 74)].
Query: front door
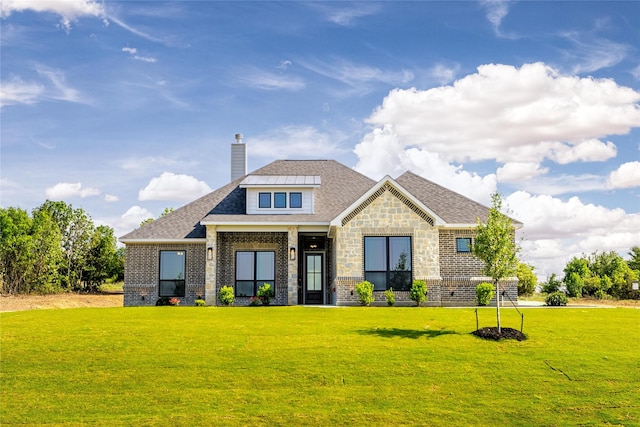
[(313, 278)]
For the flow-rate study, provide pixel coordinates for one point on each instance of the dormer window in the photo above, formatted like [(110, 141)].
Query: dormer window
[(295, 200), (280, 194), (280, 200), (264, 200)]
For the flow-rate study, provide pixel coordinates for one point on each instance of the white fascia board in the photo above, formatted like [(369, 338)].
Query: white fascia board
[(271, 227), (337, 221), (125, 241), (517, 226)]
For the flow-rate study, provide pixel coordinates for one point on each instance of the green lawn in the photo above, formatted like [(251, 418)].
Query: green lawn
[(318, 366)]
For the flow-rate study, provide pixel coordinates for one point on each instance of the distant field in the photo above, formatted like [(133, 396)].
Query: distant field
[(318, 366)]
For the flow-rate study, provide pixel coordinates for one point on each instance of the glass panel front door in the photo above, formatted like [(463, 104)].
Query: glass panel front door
[(314, 272)]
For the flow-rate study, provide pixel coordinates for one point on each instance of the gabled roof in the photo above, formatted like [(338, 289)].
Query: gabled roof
[(452, 207), (341, 187)]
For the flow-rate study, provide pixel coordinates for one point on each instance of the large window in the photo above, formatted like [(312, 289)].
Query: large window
[(253, 269), (172, 273), (387, 262)]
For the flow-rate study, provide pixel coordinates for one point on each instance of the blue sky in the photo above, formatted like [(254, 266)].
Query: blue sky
[(125, 108)]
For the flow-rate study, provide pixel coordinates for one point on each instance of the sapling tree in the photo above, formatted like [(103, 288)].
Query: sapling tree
[(495, 245)]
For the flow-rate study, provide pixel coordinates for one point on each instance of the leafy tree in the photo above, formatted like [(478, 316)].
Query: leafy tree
[(76, 229), (165, 212), (575, 273), (615, 274), (634, 262), (552, 284), (495, 246), (101, 259), (29, 252), (527, 279)]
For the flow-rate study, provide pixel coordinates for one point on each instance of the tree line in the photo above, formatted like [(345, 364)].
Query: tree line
[(56, 248), (600, 275)]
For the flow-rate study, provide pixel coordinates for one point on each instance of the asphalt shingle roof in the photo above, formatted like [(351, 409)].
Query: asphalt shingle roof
[(341, 187)]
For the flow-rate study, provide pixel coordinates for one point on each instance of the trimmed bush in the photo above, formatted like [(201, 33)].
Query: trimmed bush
[(484, 293), (226, 295), (365, 292), (556, 299), (200, 302), (265, 293), (418, 292), (391, 297)]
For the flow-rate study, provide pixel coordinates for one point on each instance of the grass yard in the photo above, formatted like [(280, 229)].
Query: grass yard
[(318, 366)]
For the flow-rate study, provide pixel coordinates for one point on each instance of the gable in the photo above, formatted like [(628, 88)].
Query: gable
[(389, 187)]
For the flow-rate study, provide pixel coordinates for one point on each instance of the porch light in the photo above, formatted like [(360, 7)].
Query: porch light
[(292, 253), (209, 254)]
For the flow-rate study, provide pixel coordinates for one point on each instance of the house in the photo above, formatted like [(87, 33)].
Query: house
[(312, 229)]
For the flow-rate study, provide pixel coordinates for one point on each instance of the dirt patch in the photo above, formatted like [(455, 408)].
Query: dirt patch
[(504, 334), (67, 300)]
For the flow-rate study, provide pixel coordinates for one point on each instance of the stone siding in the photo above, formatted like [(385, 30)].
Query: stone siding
[(228, 243), (142, 272), (387, 216)]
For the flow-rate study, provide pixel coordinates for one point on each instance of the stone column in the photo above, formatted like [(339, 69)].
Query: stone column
[(210, 291), (292, 267)]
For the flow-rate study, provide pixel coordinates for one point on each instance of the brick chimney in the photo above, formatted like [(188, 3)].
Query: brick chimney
[(238, 158)]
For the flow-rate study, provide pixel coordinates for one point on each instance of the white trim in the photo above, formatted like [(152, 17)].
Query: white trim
[(337, 221), (162, 240), (271, 227)]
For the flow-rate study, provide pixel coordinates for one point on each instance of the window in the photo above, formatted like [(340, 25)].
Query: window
[(463, 244), (172, 273), (253, 269), (295, 200), (264, 200), (280, 200), (387, 262)]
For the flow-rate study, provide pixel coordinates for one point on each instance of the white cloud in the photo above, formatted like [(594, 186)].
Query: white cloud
[(511, 114), (626, 176), (556, 230), (591, 53), (265, 80), (520, 171), (110, 198), (591, 150), (69, 10), (496, 11), (16, 91), (380, 154), (130, 220), (170, 186), (359, 76), (296, 141), (66, 190), (345, 14), (131, 50), (149, 59)]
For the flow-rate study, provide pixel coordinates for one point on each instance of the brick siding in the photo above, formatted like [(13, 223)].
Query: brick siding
[(142, 272)]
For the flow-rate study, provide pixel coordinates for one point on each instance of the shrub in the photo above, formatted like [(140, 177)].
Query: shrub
[(484, 293), (200, 302), (226, 296), (365, 292), (265, 293), (418, 292), (556, 299), (551, 285), (168, 301), (391, 297), (255, 301)]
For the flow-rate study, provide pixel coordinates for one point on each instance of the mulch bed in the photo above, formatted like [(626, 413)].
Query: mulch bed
[(507, 334)]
